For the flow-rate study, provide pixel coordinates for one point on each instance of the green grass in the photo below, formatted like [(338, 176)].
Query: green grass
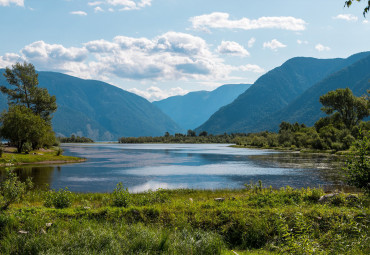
[(35, 157), (251, 221)]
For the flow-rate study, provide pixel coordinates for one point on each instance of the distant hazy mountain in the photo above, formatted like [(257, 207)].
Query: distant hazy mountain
[(100, 111), (194, 108), (272, 92), (306, 108)]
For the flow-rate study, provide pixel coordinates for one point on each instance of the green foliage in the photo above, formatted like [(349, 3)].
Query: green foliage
[(1, 150), (350, 108), (120, 196), (255, 221), (358, 164), (25, 80), (366, 9), (12, 189), (59, 152), (75, 139), (59, 199), (21, 126)]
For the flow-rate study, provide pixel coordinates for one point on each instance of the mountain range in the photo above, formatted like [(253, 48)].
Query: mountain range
[(288, 93), (193, 109), (98, 110)]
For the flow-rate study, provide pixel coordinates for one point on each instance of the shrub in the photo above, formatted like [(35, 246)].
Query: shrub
[(1, 150), (59, 199), (357, 166), (12, 189), (121, 196), (27, 147), (59, 151)]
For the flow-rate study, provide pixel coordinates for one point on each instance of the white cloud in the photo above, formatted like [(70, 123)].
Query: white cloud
[(251, 42), (98, 9), (170, 56), (302, 42), (251, 68), (80, 13), (95, 3), (365, 22), (273, 45), (123, 5), (154, 93), (221, 20), (8, 2), (8, 59), (232, 48), (320, 47), (347, 17)]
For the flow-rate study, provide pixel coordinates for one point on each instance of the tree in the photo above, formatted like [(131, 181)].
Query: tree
[(24, 79), (351, 109), (366, 9), (191, 133), (21, 127)]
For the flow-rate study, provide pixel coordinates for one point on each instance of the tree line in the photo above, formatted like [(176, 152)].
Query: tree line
[(337, 131)]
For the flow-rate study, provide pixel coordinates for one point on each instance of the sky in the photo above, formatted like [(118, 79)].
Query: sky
[(162, 48)]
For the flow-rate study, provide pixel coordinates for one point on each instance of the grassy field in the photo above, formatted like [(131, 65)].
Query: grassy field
[(254, 220), (49, 156)]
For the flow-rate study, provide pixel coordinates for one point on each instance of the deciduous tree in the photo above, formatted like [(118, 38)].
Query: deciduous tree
[(351, 109)]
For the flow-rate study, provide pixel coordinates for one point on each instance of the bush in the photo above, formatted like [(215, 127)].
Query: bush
[(357, 166), (121, 196), (59, 199), (59, 151), (1, 150), (12, 189)]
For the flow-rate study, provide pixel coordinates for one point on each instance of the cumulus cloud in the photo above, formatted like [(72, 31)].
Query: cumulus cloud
[(154, 93), (123, 5), (222, 20), (251, 42), (320, 47), (273, 45), (347, 17), (302, 42), (98, 9), (251, 68), (80, 13), (169, 56), (365, 22), (232, 48), (8, 2), (9, 59)]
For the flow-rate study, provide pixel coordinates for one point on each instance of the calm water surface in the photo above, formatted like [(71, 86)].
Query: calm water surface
[(142, 167)]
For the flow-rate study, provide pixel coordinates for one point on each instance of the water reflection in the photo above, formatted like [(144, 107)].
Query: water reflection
[(203, 166)]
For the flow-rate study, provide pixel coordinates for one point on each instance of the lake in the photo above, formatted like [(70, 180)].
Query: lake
[(141, 167)]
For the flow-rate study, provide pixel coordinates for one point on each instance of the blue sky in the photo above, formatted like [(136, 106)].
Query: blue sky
[(160, 48)]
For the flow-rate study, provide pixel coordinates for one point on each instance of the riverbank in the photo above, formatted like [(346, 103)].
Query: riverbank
[(254, 220), (50, 156)]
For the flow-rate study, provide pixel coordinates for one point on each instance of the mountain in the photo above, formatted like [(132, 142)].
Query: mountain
[(194, 108), (98, 110), (273, 92), (306, 108)]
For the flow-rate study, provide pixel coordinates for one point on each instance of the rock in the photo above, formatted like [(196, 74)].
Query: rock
[(326, 198), (48, 225), (22, 232), (219, 199)]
